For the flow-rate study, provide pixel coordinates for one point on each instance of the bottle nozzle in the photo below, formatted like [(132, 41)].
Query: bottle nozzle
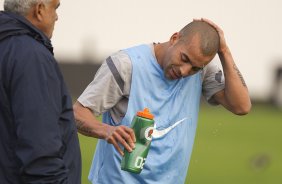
[(145, 113)]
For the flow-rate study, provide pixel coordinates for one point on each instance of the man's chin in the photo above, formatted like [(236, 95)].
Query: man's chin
[(168, 77)]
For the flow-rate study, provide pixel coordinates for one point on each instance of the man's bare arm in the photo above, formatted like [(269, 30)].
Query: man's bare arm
[(235, 97), (87, 124)]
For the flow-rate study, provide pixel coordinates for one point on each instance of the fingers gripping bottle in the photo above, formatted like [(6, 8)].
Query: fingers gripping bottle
[(143, 126)]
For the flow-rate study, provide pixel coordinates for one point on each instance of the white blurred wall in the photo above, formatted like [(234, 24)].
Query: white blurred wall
[(94, 29)]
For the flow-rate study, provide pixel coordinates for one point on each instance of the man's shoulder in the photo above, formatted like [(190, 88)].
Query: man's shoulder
[(23, 50), (122, 62), (121, 58), (212, 67), (24, 44)]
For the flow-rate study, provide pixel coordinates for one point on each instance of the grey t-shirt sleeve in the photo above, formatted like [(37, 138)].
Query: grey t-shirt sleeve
[(104, 92), (213, 81)]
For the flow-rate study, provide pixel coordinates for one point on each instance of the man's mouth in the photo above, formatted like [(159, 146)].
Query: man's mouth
[(174, 74)]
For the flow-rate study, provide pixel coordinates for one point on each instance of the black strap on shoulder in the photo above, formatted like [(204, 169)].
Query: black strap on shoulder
[(115, 73)]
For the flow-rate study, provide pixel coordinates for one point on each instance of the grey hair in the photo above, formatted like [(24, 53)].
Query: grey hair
[(21, 7)]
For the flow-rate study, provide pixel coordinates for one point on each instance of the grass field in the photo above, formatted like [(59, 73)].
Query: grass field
[(228, 149)]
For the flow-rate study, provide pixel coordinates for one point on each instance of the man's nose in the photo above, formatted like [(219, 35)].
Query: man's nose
[(185, 70)]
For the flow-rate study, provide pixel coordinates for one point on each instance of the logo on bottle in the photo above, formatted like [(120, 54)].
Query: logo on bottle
[(139, 162), (148, 133)]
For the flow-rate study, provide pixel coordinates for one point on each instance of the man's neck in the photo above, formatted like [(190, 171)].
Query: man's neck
[(160, 49)]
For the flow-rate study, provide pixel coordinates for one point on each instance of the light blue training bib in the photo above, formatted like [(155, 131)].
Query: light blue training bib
[(170, 102)]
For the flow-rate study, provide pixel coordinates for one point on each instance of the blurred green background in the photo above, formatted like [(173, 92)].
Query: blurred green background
[(228, 149)]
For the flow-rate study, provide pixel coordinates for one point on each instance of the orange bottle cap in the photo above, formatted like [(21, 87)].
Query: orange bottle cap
[(145, 114)]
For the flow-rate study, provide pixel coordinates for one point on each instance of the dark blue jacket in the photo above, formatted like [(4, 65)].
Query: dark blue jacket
[(38, 137)]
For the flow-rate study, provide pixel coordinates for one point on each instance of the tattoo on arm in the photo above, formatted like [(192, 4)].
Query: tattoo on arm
[(82, 128), (240, 75)]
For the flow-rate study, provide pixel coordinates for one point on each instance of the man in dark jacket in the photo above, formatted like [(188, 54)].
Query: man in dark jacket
[(38, 137)]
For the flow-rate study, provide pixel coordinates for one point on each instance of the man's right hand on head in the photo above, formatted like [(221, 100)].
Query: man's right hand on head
[(120, 135)]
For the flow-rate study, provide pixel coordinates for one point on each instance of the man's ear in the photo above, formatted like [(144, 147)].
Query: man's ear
[(39, 11), (174, 38)]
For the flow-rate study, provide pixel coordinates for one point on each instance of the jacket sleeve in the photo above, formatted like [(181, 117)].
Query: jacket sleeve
[(36, 105)]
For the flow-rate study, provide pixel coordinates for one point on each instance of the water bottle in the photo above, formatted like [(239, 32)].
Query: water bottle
[(143, 126)]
